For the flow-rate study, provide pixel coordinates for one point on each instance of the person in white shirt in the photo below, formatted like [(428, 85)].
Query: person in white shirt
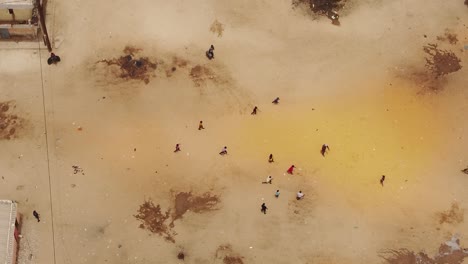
[(299, 195), (268, 180)]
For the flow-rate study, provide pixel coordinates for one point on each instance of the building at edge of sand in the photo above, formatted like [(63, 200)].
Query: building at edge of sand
[(9, 232), (18, 19)]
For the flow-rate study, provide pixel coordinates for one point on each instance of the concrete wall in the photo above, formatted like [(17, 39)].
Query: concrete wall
[(20, 15)]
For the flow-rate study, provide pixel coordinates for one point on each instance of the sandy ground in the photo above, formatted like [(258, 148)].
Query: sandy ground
[(346, 86)]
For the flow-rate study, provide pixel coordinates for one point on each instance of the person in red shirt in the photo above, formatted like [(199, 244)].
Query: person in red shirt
[(290, 170)]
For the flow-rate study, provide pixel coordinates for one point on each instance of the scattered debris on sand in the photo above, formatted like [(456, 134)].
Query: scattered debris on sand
[(328, 8), (200, 74), (153, 219), (441, 62), (449, 37), (156, 221), (452, 216), (217, 28), (465, 170), (450, 252), (132, 67), (9, 123), (227, 255), (176, 63), (77, 169)]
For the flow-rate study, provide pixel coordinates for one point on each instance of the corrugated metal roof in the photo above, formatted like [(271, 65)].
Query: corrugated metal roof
[(7, 230), (16, 4)]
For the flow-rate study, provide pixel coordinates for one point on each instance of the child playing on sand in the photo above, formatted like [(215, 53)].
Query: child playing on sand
[(382, 179), (264, 208), (270, 158), (299, 195), (200, 125), (277, 193), (324, 149), (224, 151), (290, 170), (268, 180), (254, 111), (276, 101), (210, 53), (177, 148)]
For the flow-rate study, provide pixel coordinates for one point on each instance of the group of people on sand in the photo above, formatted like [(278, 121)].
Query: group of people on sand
[(269, 180)]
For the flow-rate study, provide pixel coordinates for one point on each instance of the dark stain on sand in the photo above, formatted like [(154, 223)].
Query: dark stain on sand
[(131, 66), (227, 255), (161, 222), (449, 253), (439, 64), (454, 215), (10, 124)]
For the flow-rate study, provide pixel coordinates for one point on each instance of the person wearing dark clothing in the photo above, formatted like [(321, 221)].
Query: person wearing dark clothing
[(276, 101), (264, 208), (382, 180), (324, 149), (254, 111), (270, 158), (177, 148), (53, 59), (200, 125), (210, 53), (36, 215)]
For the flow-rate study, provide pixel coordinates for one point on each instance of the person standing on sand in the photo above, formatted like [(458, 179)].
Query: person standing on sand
[(277, 193), (254, 111), (177, 148), (324, 149), (276, 101), (200, 125), (36, 215), (270, 158), (224, 151), (382, 180), (291, 169), (299, 195), (264, 208)]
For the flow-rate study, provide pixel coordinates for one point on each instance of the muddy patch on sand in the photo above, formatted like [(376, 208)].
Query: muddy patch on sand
[(186, 201), (131, 66), (226, 255), (453, 216), (154, 219), (10, 124), (160, 222), (439, 64), (200, 74), (449, 252), (217, 28)]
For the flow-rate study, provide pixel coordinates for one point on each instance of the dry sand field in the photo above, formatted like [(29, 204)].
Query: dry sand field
[(89, 143)]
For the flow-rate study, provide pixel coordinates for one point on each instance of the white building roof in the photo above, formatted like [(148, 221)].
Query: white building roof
[(16, 4), (7, 230)]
